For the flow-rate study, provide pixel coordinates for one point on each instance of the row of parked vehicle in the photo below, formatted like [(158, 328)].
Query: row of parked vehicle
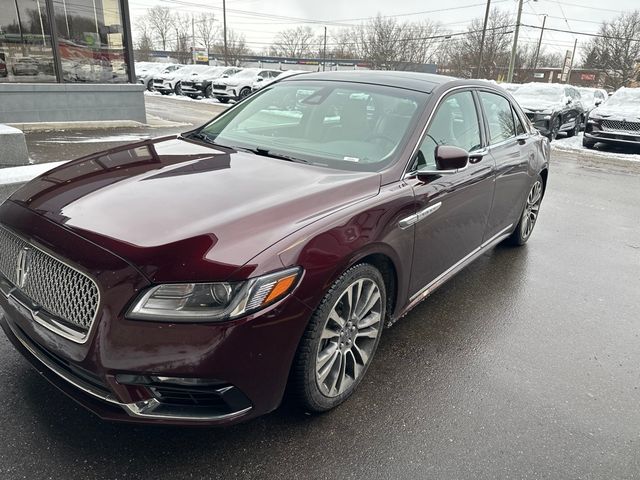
[(204, 81), (555, 108)]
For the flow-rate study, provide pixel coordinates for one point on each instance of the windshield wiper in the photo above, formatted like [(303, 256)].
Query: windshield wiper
[(203, 136), (264, 152)]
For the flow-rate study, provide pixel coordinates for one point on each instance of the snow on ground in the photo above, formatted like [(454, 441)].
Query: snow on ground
[(26, 172), (184, 98), (108, 139), (574, 144)]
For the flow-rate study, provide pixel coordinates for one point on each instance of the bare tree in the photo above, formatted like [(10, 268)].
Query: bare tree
[(342, 45), (236, 48), (390, 45), (463, 52), (160, 21), (206, 31), (181, 24), (295, 42), (617, 51), (144, 41)]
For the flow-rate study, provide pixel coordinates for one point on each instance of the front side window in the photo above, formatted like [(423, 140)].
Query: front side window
[(26, 54), (499, 114), (335, 124), (455, 124)]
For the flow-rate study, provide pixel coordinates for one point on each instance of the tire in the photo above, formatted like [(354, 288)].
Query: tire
[(223, 99), (150, 85), (245, 92), (529, 216), (588, 143), (338, 345), (178, 89), (576, 129), (208, 92), (554, 129)]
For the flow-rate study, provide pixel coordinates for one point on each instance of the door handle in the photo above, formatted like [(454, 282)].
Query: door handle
[(522, 140), (475, 157)]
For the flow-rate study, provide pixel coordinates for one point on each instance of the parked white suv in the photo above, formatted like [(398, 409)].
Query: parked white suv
[(170, 82), (238, 86), (199, 85), (145, 71)]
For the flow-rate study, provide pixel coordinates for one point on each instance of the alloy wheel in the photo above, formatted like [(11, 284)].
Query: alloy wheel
[(349, 337), (531, 209)]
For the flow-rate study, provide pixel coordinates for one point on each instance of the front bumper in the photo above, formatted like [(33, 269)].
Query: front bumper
[(595, 132), (227, 92), (142, 381), (162, 86), (192, 88)]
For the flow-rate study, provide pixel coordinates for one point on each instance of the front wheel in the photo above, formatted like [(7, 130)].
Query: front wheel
[(587, 143), (341, 339), (554, 129), (576, 129), (244, 93), (529, 215), (223, 99)]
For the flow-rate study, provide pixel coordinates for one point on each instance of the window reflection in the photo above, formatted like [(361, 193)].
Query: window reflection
[(25, 42), (90, 38)]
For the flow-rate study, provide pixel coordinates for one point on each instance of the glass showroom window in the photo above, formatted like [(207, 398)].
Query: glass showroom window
[(91, 40), (25, 42)]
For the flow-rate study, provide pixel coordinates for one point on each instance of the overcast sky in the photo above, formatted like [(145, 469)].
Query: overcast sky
[(255, 18)]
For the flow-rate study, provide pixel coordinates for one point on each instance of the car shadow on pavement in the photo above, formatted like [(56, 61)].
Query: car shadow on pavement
[(420, 364)]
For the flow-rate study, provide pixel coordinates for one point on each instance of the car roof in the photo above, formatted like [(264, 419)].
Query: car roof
[(423, 82)]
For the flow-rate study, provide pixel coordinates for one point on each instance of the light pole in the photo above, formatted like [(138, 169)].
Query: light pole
[(224, 28), (514, 49), (535, 62), (484, 33), (324, 50)]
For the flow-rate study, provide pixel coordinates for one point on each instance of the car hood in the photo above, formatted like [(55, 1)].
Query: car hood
[(538, 105), (181, 210), (630, 112)]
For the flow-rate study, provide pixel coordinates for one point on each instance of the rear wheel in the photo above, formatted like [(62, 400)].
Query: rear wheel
[(150, 85), (341, 339), (223, 99), (178, 89), (208, 91), (529, 215), (244, 93)]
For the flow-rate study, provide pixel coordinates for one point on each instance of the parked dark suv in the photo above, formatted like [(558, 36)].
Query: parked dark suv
[(188, 279), (617, 121), (552, 108)]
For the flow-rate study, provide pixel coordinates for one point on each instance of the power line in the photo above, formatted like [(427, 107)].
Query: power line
[(609, 37)]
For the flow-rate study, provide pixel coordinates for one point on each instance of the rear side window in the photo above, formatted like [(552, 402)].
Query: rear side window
[(499, 115)]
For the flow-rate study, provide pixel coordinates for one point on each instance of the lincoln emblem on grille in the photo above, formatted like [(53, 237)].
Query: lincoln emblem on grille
[(22, 269)]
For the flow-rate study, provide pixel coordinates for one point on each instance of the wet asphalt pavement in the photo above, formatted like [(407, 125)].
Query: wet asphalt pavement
[(526, 365)]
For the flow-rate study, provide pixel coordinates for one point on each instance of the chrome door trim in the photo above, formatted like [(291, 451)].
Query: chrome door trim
[(419, 215), (451, 271)]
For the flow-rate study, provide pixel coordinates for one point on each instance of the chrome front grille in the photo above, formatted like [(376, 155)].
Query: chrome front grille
[(621, 126), (62, 291)]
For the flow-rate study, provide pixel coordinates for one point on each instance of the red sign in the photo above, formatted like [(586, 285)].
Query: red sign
[(588, 76)]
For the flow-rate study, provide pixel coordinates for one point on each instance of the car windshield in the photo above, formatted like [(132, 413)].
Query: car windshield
[(589, 96), (624, 97), (548, 92), (334, 124)]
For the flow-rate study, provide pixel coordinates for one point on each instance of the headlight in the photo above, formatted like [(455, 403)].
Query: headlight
[(212, 302), (543, 116)]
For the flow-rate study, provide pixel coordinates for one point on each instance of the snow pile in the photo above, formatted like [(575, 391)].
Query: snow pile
[(26, 172), (574, 144)]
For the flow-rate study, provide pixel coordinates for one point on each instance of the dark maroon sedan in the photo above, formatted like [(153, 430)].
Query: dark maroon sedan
[(190, 279)]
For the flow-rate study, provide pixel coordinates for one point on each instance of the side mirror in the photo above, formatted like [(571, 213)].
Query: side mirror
[(225, 76), (448, 159), (569, 100), (259, 79), (598, 102)]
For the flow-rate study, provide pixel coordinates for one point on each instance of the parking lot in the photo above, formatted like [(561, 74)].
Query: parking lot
[(525, 365)]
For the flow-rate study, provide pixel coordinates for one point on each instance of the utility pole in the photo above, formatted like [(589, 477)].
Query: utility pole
[(224, 27), (324, 50), (484, 33), (193, 39), (573, 55), (514, 49), (535, 62)]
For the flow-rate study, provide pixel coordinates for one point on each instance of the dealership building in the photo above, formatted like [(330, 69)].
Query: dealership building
[(67, 60)]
